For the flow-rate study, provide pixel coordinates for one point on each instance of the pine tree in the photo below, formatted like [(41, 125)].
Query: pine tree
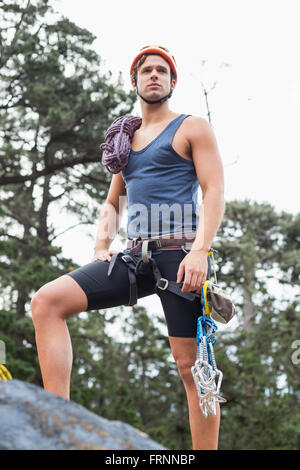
[(55, 107)]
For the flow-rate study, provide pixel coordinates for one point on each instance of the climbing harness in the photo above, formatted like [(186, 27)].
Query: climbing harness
[(4, 373), (215, 302), (137, 266), (141, 245)]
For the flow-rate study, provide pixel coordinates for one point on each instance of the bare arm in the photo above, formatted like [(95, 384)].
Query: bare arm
[(209, 169), (111, 214)]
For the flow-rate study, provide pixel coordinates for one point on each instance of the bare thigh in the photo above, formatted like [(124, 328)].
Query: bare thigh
[(63, 294)]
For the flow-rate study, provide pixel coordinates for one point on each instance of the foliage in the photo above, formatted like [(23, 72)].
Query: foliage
[(55, 107)]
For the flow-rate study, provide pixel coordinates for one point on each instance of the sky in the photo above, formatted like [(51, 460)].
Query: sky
[(246, 55), (251, 55)]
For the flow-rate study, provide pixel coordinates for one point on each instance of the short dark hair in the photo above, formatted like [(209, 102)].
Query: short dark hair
[(140, 62)]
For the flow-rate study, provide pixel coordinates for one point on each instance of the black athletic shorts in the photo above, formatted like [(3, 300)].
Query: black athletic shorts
[(104, 292)]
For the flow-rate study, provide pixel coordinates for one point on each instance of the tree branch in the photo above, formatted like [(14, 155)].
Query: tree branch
[(69, 228), (6, 180), (5, 55)]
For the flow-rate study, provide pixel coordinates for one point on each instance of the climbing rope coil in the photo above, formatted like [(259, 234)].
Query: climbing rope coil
[(4, 373)]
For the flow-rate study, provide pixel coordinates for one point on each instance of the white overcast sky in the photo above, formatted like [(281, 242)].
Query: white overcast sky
[(250, 48)]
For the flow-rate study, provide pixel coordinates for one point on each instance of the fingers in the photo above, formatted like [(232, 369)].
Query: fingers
[(193, 281), (194, 269), (98, 259), (103, 256), (180, 272)]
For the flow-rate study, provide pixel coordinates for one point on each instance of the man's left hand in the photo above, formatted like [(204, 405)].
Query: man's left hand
[(194, 267)]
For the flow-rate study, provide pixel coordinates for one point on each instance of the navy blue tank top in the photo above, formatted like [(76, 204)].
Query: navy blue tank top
[(162, 188)]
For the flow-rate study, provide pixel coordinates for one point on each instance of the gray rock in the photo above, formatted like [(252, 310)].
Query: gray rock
[(33, 419)]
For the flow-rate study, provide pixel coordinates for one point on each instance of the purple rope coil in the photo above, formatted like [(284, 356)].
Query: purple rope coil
[(117, 145)]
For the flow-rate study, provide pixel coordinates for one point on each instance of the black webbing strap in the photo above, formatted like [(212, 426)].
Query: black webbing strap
[(112, 262), (131, 264), (172, 286), (161, 283)]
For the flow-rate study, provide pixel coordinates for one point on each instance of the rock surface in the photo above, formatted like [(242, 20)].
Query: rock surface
[(33, 419)]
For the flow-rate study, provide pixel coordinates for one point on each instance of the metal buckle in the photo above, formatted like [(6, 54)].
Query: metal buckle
[(145, 253), (126, 258), (135, 241), (166, 283)]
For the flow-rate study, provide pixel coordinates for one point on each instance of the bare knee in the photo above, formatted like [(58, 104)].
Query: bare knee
[(61, 298), (184, 366), (184, 352), (42, 303)]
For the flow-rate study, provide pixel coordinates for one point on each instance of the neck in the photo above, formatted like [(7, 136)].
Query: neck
[(155, 113)]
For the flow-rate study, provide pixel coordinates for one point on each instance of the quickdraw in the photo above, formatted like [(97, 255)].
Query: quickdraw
[(206, 375)]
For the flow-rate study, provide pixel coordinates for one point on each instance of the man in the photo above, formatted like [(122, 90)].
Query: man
[(170, 156)]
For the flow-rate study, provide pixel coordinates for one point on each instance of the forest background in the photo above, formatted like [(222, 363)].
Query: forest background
[(55, 105)]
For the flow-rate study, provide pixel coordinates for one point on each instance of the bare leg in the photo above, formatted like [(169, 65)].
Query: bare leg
[(204, 431), (50, 306)]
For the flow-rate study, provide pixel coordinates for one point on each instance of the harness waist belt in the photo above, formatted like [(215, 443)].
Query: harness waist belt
[(156, 243)]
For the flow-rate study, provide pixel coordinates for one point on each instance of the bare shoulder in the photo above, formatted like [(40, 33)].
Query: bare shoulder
[(197, 125), (199, 132)]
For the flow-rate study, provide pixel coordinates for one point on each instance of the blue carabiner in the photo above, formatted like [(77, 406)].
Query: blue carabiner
[(199, 330)]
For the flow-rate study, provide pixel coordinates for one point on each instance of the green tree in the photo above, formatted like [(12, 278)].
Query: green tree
[(258, 251), (56, 106)]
